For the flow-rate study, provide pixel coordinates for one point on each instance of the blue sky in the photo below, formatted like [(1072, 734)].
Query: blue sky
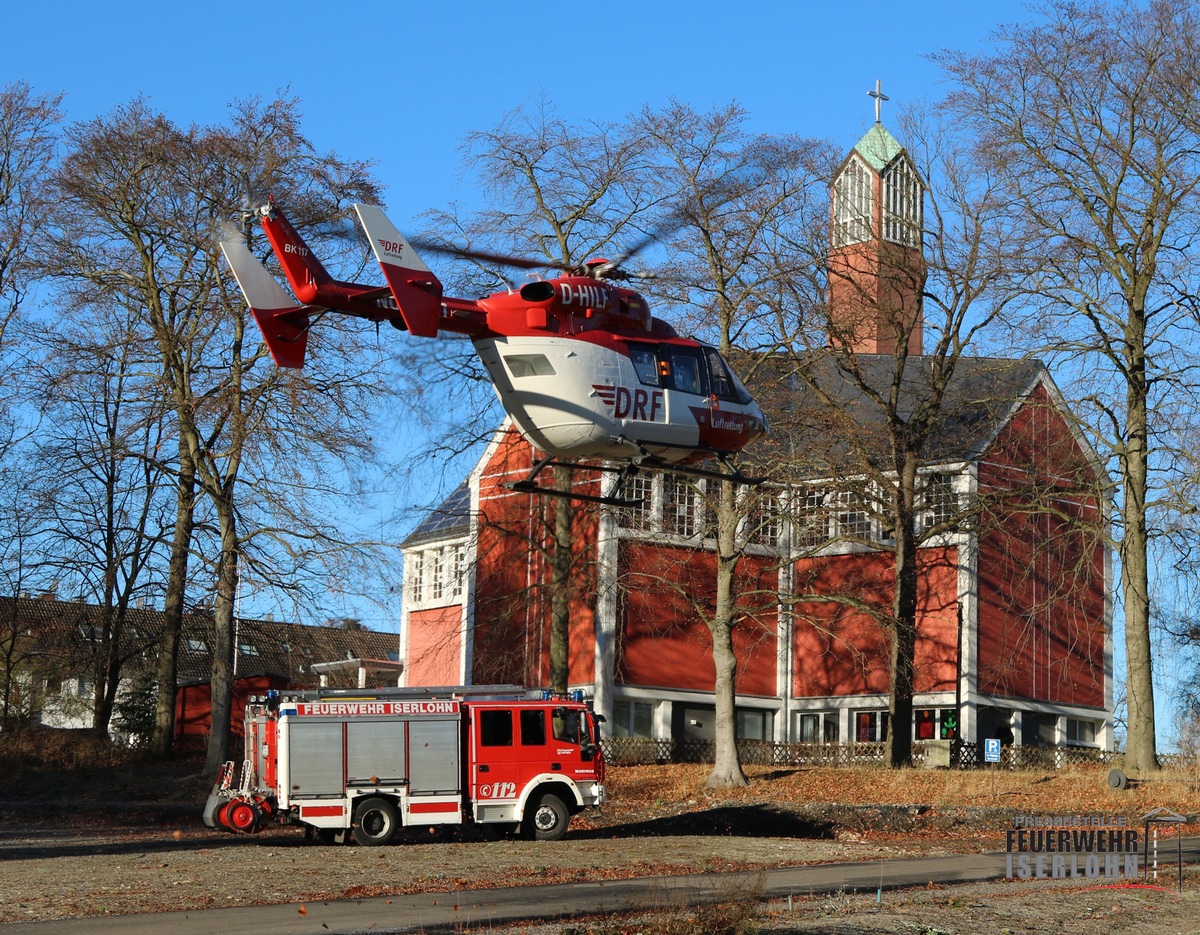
[(402, 83)]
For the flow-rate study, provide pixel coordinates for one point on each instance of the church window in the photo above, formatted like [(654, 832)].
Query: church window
[(683, 511), (938, 502), (852, 205), (853, 521), (812, 523), (903, 204)]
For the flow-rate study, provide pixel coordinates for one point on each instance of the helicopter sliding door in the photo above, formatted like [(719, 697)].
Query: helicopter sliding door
[(672, 377)]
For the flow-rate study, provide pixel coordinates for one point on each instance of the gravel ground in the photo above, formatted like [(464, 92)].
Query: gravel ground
[(71, 869), (129, 841), (77, 866)]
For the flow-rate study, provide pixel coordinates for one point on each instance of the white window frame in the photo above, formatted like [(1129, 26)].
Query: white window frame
[(435, 576), (878, 725), (827, 722), (643, 517), (458, 561), (1073, 724), (945, 503), (626, 725), (843, 505), (764, 516), (683, 507), (414, 576), (903, 204), (852, 204)]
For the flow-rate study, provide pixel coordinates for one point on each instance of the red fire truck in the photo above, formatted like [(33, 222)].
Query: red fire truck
[(369, 763)]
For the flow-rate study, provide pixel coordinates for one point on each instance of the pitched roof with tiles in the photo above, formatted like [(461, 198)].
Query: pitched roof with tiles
[(979, 399), (67, 634)]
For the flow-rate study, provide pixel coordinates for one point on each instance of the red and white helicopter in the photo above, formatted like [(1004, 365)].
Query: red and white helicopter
[(582, 367)]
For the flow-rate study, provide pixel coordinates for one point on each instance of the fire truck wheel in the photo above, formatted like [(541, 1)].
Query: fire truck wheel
[(548, 820), (375, 822), (243, 816)]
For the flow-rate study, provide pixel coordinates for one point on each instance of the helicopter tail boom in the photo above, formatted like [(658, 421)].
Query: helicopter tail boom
[(284, 325), (305, 273)]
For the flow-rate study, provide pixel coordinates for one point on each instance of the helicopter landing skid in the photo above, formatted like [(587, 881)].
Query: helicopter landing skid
[(530, 484)]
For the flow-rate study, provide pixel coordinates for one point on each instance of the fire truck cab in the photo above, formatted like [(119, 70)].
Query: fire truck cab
[(369, 764)]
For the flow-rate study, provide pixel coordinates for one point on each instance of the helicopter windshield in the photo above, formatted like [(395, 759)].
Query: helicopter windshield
[(645, 362), (723, 382), (698, 371), (684, 370)]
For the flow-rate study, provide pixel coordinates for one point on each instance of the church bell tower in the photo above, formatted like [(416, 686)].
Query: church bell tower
[(876, 261)]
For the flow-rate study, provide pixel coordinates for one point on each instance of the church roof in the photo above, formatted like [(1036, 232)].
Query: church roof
[(452, 518), (978, 401), (878, 147)]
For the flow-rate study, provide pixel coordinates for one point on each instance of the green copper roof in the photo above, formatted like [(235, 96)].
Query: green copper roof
[(878, 147)]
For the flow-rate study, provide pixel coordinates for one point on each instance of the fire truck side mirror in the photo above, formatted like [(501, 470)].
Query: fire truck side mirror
[(587, 751)]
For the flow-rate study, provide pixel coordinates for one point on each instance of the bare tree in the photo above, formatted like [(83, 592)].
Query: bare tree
[(717, 198), (737, 197), (141, 204), (28, 126), (104, 513), (1087, 122), (28, 131), (565, 194), (878, 335)]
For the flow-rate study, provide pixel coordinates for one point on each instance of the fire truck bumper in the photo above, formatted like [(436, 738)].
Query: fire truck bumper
[(594, 794)]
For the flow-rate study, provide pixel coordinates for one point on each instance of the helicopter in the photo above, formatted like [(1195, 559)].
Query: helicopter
[(581, 366)]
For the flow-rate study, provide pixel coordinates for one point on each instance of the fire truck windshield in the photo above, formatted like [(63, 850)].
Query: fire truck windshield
[(570, 726)]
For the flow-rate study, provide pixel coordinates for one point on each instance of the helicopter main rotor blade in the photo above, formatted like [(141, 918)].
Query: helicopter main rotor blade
[(501, 258)]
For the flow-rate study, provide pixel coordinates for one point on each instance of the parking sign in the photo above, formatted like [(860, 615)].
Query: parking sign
[(991, 751)]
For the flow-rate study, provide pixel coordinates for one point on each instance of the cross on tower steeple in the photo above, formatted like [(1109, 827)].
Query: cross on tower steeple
[(879, 96)]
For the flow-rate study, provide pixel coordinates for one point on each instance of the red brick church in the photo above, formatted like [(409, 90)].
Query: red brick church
[(1015, 616)]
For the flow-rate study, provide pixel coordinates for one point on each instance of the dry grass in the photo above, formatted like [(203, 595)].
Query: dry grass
[(1074, 790), (641, 792)]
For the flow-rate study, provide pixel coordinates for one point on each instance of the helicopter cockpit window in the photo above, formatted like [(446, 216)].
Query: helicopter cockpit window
[(682, 370), (529, 365), (645, 362), (722, 381)]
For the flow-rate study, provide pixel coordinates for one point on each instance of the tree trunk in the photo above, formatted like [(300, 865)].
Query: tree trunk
[(223, 649), (898, 746), (163, 741), (560, 586), (727, 764), (1140, 749)]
